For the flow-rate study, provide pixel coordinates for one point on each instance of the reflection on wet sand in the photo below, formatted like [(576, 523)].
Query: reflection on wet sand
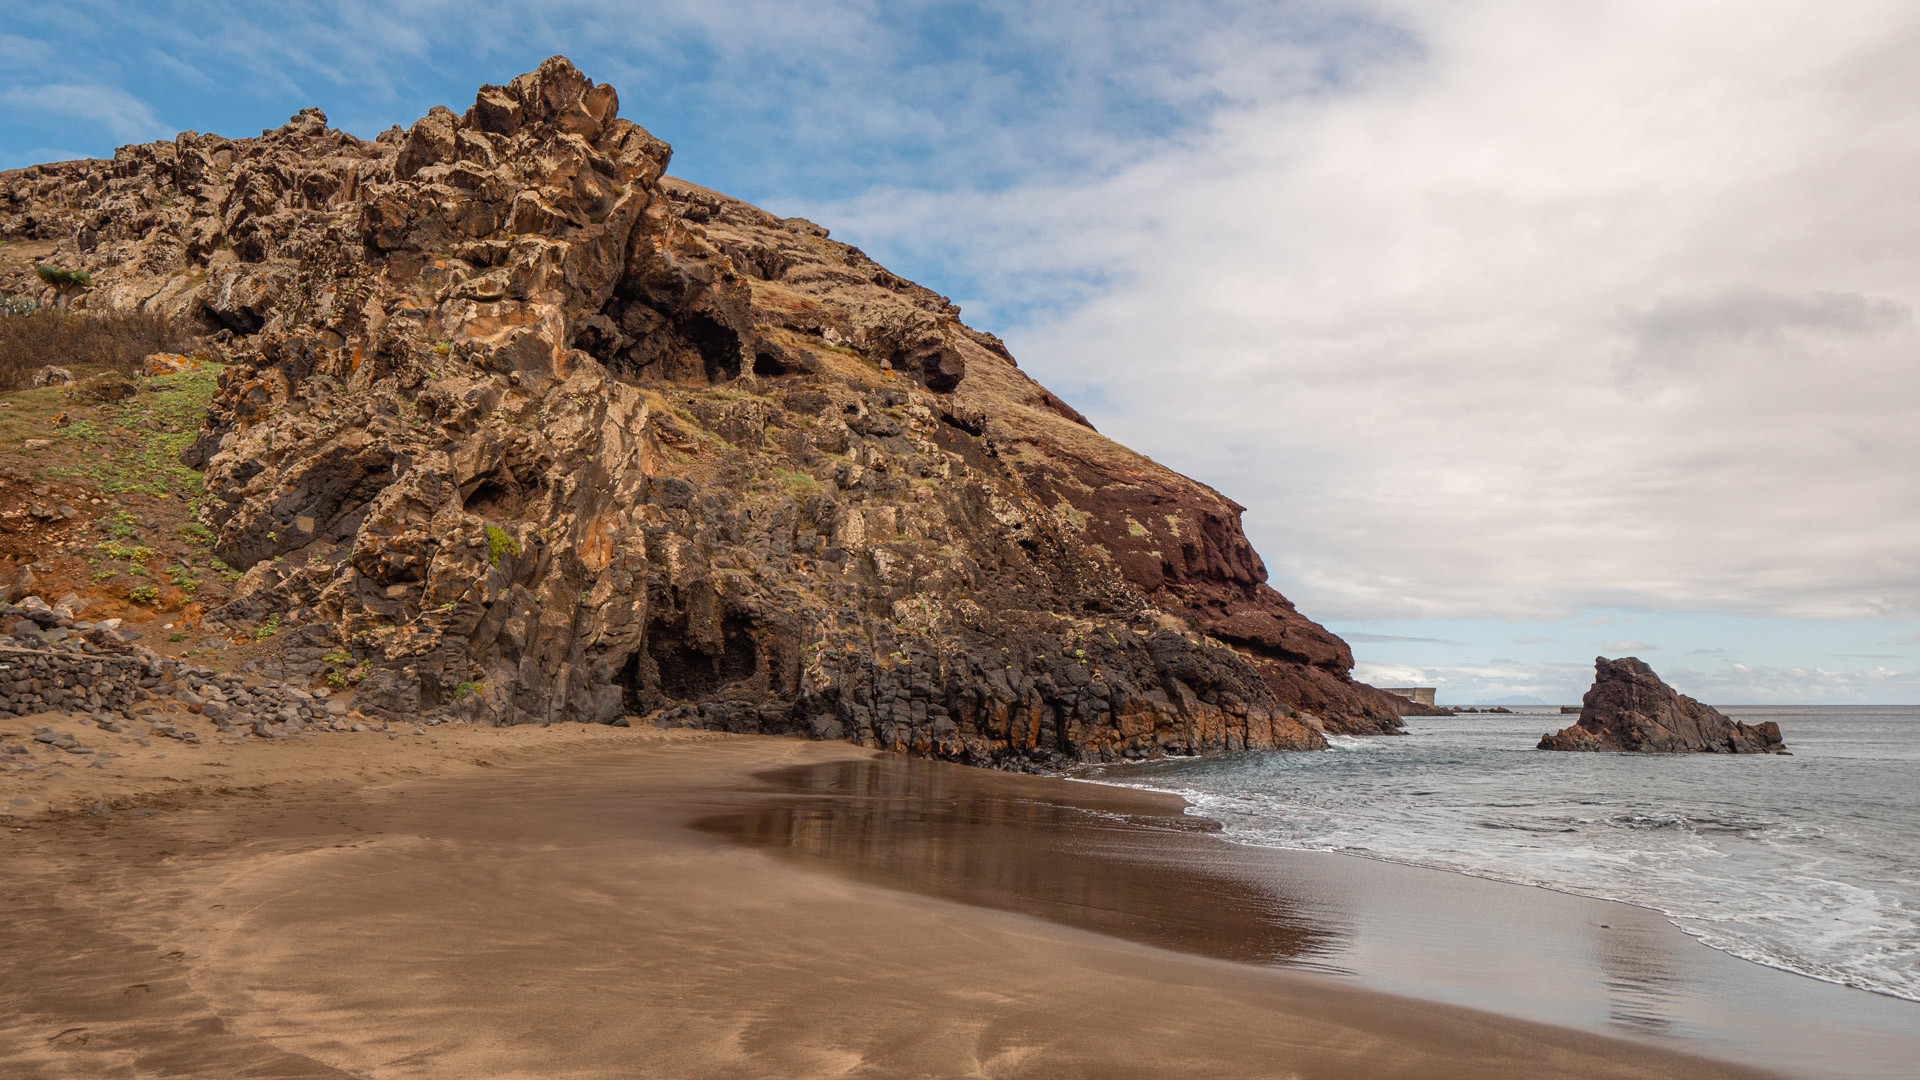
[(1131, 864), (907, 824), (1644, 991)]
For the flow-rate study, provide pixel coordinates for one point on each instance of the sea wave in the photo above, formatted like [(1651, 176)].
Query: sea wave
[(1857, 953), (1814, 872)]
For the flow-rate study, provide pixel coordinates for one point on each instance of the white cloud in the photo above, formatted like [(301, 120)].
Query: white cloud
[(1490, 683), (118, 112), (1361, 637), (1738, 684), (1485, 309), (1568, 307)]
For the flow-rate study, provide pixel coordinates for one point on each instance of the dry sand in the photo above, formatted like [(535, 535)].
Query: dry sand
[(533, 903)]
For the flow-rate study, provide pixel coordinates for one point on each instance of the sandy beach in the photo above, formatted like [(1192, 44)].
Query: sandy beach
[(583, 902)]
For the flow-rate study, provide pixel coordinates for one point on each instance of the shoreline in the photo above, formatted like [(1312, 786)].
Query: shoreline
[(1608, 967), (634, 799), (1225, 835)]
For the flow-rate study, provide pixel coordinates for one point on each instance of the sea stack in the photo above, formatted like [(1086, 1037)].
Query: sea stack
[(1629, 708)]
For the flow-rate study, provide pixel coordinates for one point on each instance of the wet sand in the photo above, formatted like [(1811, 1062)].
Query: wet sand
[(562, 917), (1066, 853)]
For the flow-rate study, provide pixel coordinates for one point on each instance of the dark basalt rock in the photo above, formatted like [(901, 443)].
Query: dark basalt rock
[(1629, 708)]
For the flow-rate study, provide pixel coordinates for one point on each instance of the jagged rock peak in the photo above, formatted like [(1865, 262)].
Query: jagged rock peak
[(537, 432), (1630, 708)]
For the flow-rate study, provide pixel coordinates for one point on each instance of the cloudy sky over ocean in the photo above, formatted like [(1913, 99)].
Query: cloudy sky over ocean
[(1525, 331)]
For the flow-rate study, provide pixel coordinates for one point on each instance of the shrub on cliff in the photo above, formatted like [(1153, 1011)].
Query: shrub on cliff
[(115, 340), (63, 279)]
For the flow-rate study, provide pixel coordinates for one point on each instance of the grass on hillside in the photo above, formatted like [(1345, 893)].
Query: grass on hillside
[(129, 455)]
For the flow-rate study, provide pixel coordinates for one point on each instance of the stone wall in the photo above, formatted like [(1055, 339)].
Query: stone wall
[(56, 662), (35, 680)]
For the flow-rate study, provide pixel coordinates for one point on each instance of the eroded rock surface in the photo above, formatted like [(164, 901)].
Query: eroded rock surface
[(537, 432), (1630, 708)]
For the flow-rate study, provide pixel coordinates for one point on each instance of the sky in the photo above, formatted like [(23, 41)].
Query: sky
[(1525, 332)]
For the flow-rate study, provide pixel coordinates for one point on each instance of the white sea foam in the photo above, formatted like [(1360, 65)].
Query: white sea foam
[(1809, 863)]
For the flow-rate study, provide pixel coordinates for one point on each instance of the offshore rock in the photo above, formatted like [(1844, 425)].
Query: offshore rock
[(528, 431), (1629, 708)]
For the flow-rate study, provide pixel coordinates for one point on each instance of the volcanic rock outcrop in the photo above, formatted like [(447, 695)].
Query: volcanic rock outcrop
[(535, 432), (1629, 708)]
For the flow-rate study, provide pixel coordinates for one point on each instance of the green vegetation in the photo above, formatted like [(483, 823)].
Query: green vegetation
[(183, 578), (195, 533), (500, 543), (63, 279), (466, 688), (139, 459), (797, 483), (143, 594), (177, 635), (343, 672), (119, 524), (267, 629), (113, 549)]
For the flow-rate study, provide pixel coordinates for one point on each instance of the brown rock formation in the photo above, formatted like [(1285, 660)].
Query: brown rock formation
[(1629, 708), (536, 432)]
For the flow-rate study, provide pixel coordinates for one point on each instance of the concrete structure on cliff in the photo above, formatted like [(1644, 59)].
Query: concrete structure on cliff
[(1419, 695)]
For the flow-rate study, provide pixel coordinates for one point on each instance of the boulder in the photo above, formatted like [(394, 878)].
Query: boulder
[(38, 610), (160, 364), (52, 376), (1630, 708)]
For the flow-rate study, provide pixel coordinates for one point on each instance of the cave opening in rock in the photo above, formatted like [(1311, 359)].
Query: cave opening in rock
[(689, 673), (632, 682), (765, 363), (498, 495), (969, 425), (489, 494), (717, 344)]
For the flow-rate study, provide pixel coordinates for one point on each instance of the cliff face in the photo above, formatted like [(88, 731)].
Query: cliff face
[(534, 431), (1630, 708)]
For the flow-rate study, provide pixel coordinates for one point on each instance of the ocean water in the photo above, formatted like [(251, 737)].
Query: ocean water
[(1809, 863)]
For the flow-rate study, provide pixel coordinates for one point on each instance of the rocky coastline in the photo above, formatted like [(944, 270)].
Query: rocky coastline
[(524, 430)]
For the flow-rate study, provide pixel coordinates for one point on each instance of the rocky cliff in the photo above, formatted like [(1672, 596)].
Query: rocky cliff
[(1630, 708), (533, 431)]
